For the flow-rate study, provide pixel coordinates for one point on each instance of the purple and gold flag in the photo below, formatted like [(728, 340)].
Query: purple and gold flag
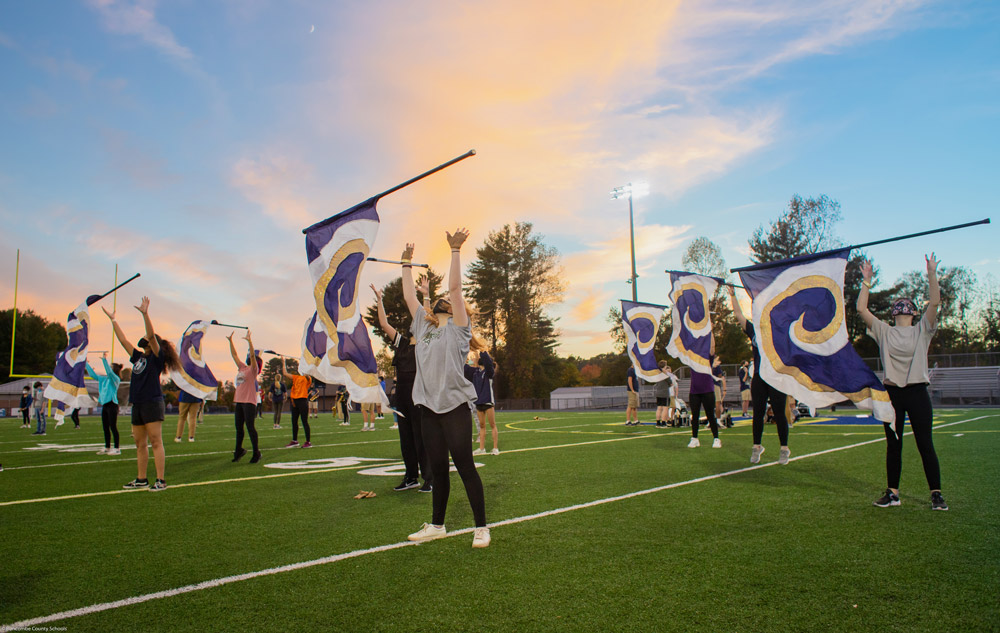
[(641, 321), (798, 317), (194, 376), (691, 337), (67, 384), (337, 249)]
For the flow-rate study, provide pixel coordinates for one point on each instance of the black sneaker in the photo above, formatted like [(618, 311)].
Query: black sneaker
[(255, 458), (427, 487), (890, 498), (159, 485), (135, 484), (937, 501), (239, 454), (407, 484)]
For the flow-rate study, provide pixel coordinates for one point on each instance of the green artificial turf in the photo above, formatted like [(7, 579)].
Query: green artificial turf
[(777, 548)]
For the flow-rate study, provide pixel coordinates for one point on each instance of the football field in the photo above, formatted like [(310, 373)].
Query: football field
[(596, 527)]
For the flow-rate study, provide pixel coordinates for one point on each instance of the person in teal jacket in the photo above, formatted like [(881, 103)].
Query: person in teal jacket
[(107, 397)]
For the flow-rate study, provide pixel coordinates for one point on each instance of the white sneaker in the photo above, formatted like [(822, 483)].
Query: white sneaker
[(694, 443), (103, 451), (190, 439), (479, 451), (394, 427), (495, 451), (755, 454), (784, 455), (345, 424), (114, 451), (716, 443), (177, 439), (428, 533), (482, 537)]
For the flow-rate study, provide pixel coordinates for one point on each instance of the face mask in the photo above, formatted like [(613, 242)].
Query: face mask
[(442, 306)]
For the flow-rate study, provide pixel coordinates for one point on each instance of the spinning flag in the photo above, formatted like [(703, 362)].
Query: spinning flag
[(194, 376), (336, 249), (691, 338), (641, 321), (798, 317), (67, 384)]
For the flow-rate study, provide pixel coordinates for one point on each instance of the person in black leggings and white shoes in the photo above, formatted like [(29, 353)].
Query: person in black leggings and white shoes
[(443, 394), (903, 348), (702, 394)]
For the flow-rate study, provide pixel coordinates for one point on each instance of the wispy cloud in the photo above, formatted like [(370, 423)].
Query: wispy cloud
[(138, 18)]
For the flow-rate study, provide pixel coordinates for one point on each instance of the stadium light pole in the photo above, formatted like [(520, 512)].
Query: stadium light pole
[(631, 190)]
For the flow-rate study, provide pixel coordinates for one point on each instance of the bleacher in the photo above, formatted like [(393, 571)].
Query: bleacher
[(965, 386)]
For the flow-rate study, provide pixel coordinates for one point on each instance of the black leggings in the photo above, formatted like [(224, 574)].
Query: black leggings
[(278, 406), (75, 416), (760, 394), (109, 420), (411, 440), (300, 409), (697, 400), (914, 401), (245, 414), (446, 433), (25, 416)]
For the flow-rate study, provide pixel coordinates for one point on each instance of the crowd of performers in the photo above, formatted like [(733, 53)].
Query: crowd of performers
[(903, 346)]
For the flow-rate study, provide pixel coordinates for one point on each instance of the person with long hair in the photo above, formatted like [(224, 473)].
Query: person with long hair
[(150, 357), (38, 407), (761, 393), (107, 397), (481, 376), (187, 413), (300, 404), (702, 394), (443, 394), (245, 399), (277, 393), (903, 349)]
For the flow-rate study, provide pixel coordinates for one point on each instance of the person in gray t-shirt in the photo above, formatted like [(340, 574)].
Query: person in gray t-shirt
[(903, 348), (443, 394)]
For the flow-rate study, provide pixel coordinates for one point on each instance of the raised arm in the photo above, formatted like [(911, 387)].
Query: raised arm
[(425, 290), (458, 314), (382, 320), (232, 350), (866, 285), (253, 356), (935, 290), (91, 372), (284, 371), (489, 369), (737, 310), (409, 291), (129, 348)]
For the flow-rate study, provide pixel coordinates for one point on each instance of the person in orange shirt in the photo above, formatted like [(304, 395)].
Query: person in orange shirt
[(300, 404)]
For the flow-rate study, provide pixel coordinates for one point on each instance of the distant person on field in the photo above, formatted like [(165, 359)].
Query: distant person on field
[(300, 404), (313, 401), (107, 397), (719, 377), (340, 400), (665, 392), (187, 411), (245, 399), (632, 394), (702, 394), (744, 376), (481, 376), (277, 393), (38, 407), (25, 407)]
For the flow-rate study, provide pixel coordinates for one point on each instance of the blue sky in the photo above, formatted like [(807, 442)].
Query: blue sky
[(191, 141)]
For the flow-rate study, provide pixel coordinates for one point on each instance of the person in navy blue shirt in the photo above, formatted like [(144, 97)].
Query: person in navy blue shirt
[(481, 376), (632, 392)]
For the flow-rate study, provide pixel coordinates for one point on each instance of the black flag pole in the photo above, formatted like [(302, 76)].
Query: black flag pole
[(857, 246), (392, 261), (409, 182), (720, 280), (238, 327), (92, 299)]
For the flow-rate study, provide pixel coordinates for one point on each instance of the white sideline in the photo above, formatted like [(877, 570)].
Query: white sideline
[(218, 582)]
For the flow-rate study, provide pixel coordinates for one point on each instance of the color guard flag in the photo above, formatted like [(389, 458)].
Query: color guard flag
[(691, 338), (337, 249), (641, 320), (194, 376), (67, 385), (798, 317)]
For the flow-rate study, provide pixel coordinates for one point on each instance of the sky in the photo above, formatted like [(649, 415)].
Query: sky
[(192, 141)]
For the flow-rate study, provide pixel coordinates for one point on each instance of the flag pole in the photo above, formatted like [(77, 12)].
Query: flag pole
[(92, 299), (238, 327), (392, 261), (114, 308), (864, 245), (13, 325), (451, 162), (720, 280)]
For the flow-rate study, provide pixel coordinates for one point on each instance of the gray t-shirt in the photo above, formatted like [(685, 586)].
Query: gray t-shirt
[(904, 350), (665, 388), (440, 384)]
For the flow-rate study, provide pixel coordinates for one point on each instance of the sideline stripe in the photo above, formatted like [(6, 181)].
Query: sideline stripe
[(218, 582)]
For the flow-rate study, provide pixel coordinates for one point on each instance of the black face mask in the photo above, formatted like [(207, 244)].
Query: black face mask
[(441, 306)]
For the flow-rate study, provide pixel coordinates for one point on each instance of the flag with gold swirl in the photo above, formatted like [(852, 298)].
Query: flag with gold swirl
[(641, 321), (691, 336), (798, 318), (67, 384), (194, 376)]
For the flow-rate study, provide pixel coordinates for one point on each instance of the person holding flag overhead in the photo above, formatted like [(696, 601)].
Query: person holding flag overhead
[(107, 397), (150, 357), (300, 404), (702, 394), (903, 350), (246, 398), (445, 397)]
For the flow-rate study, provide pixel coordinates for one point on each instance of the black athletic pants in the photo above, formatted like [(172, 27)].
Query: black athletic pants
[(278, 406), (915, 402), (760, 394), (75, 416), (697, 400), (300, 409), (411, 440), (343, 410), (25, 415), (446, 433), (109, 420), (246, 413)]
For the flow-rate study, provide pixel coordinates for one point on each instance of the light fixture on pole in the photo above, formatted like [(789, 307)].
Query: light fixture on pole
[(631, 190)]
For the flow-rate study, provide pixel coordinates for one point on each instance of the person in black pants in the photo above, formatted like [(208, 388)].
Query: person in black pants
[(411, 441), (903, 348), (761, 393), (301, 387), (25, 407), (277, 394), (245, 399)]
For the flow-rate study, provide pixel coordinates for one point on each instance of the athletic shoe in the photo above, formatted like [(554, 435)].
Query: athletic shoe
[(482, 537), (495, 451), (177, 439), (890, 498), (159, 485), (937, 501), (783, 455), (237, 455), (76, 428), (716, 443), (427, 487), (135, 484), (694, 443), (428, 533), (276, 427), (255, 458), (190, 439), (755, 454), (479, 451), (345, 424), (24, 426), (291, 444), (114, 451), (394, 427), (308, 444), (407, 484), (103, 451)]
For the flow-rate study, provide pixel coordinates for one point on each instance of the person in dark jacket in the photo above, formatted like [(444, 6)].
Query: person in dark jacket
[(481, 376)]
